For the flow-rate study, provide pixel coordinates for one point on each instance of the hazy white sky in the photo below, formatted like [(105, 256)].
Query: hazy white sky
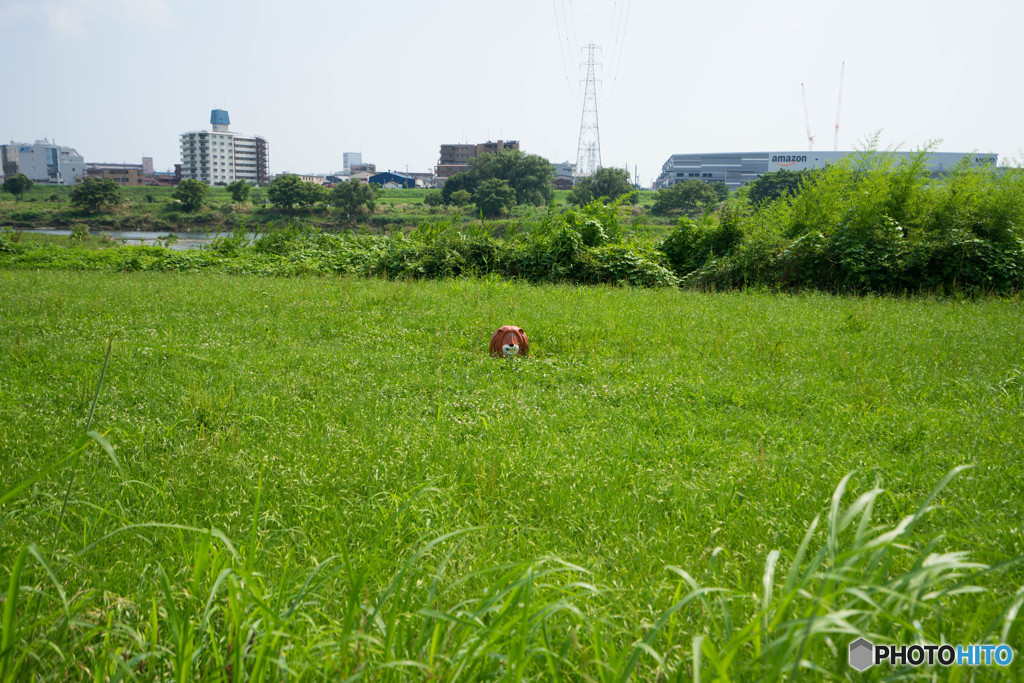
[(121, 79)]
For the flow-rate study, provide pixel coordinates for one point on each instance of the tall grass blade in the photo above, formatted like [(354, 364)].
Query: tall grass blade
[(53, 578), (88, 428), (10, 618)]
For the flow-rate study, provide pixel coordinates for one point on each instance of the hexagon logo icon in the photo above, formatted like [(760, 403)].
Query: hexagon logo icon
[(862, 654)]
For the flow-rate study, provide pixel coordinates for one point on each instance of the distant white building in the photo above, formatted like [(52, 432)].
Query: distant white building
[(565, 175), (738, 168), (565, 169), (220, 156), (314, 178), (42, 162), (351, 159)]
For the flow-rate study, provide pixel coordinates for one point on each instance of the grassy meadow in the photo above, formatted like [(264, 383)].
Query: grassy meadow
[(318, 478)]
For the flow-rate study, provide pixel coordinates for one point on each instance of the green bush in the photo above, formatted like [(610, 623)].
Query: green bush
[(10, 242), (239, 191), (686, 196), (630, 264), (29, 216), (232, 244), (592, 233), (494, 197), (461, 197), (691, 244), (873, 223), (191, 194), (92, 194), (964, 261)]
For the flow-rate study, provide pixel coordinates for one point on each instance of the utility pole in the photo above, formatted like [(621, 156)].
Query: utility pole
[(588, 151)]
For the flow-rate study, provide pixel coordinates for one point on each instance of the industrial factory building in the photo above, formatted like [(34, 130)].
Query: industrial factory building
[(738, 168)]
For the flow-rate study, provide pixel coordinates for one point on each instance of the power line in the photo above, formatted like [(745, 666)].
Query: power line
[(621, 42), (572, 21), (558, 32), (612, 30), (619, 26)]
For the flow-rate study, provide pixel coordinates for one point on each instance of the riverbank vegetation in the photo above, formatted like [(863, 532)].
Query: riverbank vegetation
[(586, 246), (323, 477), (155, 209), (873, 223)]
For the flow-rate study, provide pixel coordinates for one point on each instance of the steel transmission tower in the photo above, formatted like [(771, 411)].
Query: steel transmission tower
[(588, 153)]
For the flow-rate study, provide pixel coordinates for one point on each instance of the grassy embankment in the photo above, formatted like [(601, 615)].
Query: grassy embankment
[(153, 208), (328, 476)]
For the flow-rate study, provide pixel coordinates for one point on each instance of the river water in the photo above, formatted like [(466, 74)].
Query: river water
[(186, 240)]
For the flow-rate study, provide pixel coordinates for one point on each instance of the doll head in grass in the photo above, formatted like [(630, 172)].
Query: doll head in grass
[(509, 340)]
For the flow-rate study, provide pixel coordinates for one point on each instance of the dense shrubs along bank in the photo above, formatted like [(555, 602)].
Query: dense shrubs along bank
[(874, 224), (587, 247)]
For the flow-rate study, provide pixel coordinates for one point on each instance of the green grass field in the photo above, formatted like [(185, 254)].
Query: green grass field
[(326, 477)]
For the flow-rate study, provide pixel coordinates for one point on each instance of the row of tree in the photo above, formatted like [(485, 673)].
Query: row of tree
[(351, 196), (690, 196), (495, 183), (91, 193), (285, 192), (498, 181)]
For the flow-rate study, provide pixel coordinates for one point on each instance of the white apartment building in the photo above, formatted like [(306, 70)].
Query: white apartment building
[(220, 156)]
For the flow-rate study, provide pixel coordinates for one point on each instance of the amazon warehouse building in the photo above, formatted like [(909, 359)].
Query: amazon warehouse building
[(739, 168)]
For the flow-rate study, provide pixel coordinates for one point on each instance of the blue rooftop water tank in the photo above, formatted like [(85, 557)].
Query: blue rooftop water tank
[(219, 117)]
